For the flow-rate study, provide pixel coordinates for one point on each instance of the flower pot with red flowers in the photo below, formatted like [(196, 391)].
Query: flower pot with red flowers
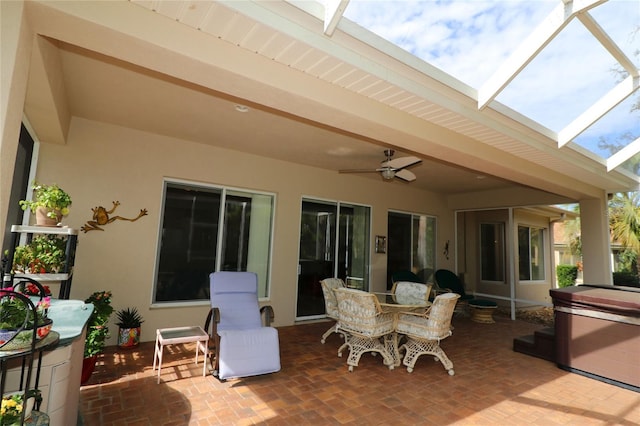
[(44, 254), (22, 321), (97, 331)]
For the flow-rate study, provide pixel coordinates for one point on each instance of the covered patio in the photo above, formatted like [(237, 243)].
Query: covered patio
[(492, 385)]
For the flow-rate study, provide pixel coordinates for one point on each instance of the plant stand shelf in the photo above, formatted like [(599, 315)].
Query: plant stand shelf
[(65, 276)]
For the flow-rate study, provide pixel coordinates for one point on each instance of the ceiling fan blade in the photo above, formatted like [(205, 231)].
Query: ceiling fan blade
[(358, 171), (401, 163), (405, 175)]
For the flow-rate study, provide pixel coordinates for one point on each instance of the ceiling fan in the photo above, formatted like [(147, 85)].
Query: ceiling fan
[(392, 168)]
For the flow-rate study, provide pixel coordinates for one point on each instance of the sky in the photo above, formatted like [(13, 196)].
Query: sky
[(469, 39)]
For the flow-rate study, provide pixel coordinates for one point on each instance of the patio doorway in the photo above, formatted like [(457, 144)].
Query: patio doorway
[(411, 245), (334, 242)]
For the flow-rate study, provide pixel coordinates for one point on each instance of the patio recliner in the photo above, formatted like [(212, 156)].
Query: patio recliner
[(243, 346), (331, 304), (425, 331)]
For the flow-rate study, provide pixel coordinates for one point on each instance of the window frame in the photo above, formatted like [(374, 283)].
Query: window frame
[(224, 190), (542, 245)]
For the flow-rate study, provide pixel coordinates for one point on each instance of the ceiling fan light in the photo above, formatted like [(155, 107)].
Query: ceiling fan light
[(388, 174)]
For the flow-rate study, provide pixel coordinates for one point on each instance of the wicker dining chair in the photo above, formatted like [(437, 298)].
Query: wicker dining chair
[(331, 304), (360, 315), (405, 290), (425, 331)]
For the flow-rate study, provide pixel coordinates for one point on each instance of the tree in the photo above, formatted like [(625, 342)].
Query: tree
[(624, 221), (624, 208)]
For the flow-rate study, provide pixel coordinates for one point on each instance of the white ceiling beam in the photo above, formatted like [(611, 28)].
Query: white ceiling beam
[(623, 155), (605, 104), (529, 49), (333, 10), (606, 41)]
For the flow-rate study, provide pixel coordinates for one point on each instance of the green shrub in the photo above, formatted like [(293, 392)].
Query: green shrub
[(567, 275), (97, 330)]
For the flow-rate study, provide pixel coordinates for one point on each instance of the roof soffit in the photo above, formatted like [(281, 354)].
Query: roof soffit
[(377, 90), (401, 81)]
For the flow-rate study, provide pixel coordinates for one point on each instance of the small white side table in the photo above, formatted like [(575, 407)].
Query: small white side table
[(172, 336)]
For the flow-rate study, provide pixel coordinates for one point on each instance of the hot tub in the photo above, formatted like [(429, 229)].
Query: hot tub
[(597, 330)]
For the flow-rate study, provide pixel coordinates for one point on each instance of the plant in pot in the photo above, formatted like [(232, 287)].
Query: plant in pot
[(50, 203), (97, 331), (22, 320), (44, 254), (17, 406), (129, 321)]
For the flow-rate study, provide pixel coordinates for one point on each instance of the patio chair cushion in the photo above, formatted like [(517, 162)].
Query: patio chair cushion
[(238, 290), (483, 303), (237, 361)]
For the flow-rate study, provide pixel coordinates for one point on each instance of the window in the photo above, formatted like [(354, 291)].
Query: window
[(492, 254), (531, 253), (207, 229), (411, 245), (20, 184)]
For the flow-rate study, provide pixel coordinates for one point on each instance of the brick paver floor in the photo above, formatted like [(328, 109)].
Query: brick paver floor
[(492, 385)]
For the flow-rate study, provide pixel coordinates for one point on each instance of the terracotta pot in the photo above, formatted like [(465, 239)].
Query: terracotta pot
[(43, 220), (88, 365), (128, 337)]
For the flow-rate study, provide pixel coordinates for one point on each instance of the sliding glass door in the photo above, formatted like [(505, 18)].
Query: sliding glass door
[(334, 242), (411, 245)]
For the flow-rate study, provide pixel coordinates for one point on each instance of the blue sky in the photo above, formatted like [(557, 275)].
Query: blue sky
[(469, 39)]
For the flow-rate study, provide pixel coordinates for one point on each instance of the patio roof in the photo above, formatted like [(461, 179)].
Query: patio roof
[(180, 68), (592, 42)]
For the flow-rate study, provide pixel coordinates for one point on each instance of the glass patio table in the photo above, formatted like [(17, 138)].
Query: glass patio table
[(397, 303), (176, 335), (400, 302)]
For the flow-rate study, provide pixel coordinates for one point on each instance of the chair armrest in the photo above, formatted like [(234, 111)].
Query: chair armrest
[(213, 318), (424, 314), (269, 316)]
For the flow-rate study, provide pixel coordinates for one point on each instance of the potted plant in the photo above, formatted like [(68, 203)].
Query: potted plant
[(129, 321), (50, 203), (97, 331), (44, 254), (17, 406), (19, 318)]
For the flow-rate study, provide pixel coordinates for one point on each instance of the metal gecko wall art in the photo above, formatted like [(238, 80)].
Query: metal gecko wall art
[(101, 218)]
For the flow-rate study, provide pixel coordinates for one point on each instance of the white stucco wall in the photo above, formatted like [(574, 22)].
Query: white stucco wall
[(102, 163)]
